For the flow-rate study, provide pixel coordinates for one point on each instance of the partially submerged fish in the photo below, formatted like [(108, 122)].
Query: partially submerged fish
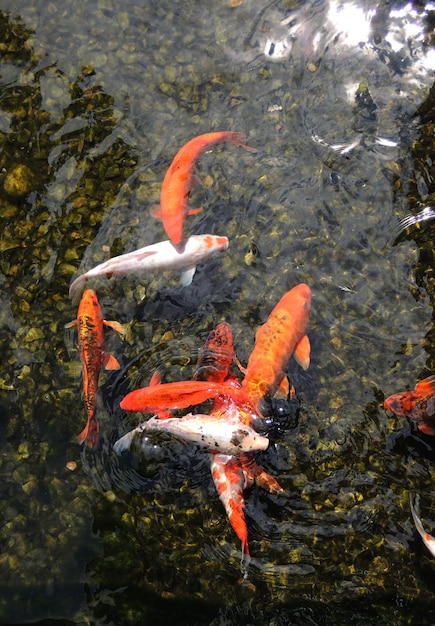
[(283, 335), (229, 436), (158, 257), (217, 354), (90, 325), (418, 404), (176, 185), (428, 540)]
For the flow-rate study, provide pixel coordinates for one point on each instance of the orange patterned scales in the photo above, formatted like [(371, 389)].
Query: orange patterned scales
[(283, 335), (176, 185), (90, 324)]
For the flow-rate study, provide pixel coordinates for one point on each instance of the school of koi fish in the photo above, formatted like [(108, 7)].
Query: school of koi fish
[(228, 430)]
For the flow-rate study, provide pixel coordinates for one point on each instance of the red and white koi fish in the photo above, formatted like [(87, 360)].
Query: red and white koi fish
[(90, 325), (182, 394), (231, 473), (283, 335), (229, 436), (418, 405), (158, 257), (428, 540), (177, 182)]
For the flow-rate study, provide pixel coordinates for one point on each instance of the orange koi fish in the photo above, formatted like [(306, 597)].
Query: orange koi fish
[(90, 325), (283, 335), (177, 182), (418, 404), (182, 394)]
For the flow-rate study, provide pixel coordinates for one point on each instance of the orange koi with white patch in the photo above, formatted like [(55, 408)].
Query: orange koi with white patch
[(283, 335), (176, 185), (90, 325)]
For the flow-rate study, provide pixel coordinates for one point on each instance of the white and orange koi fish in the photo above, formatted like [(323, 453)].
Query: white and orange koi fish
[(158, 257), (229, 436)]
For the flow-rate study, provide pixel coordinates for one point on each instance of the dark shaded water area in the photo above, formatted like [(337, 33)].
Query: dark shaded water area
[(96, 97)]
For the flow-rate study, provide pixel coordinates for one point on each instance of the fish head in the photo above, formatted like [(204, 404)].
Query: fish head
[(401, 404), (89, 305), (249, 440)]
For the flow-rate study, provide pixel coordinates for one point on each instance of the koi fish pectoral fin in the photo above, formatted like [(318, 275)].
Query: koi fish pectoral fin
[(110, 363), (426, 429), (156, 211), (283, 388), (426, 386), (302, 352), (114, 326), (187, 276), (194, 211)]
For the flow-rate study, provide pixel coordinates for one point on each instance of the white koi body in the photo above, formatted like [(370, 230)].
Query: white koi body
[(158, 257), (228, 436), (428, 540)]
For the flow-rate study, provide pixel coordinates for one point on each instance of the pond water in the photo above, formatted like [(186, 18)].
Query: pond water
[(96, 98)]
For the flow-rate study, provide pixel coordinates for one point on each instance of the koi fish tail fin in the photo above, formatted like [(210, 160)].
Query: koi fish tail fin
[(90, 432), (76, 286), (244, 564), (238, 523)]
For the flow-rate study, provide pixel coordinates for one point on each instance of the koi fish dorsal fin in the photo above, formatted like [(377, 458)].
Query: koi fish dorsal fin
[(302, 352), (239, 365), (162, 414), (427, 385), (115, 326), (110, 362)]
